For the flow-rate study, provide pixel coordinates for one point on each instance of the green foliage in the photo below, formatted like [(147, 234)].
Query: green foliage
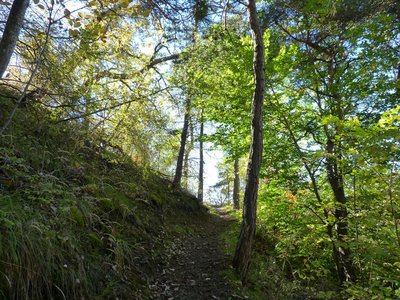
[(77, 215), (312, 104), (329, 80), (217, 72)]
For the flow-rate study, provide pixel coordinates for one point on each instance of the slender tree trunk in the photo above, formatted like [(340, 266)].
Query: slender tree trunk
[(183, 156), (236, 185), (201, 168), (11, 32), (185, 170), (189, 148), (179, 163), (398, 82), (311, 174), (228, 192), (241, 260), (341, 253), (226, 8), (342, 256), (34, 71)]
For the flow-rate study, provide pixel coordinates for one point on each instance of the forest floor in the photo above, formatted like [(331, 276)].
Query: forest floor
[(197, 267)]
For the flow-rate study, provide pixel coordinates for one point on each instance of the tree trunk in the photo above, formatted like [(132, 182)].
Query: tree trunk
[(179, 163), (201, 168), (236, 185), (183, 156), (311, 174), (188, 149), (342, 254), (241, 260), (398, 82), (11, 32), (185, 170)]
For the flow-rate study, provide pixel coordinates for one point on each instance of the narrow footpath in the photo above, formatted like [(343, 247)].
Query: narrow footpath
[(196, 268)]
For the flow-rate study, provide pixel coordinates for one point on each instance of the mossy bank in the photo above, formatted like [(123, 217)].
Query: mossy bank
[(78, 219)]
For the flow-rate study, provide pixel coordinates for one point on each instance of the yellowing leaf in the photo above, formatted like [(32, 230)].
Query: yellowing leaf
[(125, 3), (146, 13)]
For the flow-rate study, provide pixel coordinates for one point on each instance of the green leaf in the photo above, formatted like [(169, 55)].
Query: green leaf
[(73, 32)]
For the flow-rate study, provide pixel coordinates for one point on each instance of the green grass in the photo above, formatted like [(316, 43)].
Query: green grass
[(76, 220)]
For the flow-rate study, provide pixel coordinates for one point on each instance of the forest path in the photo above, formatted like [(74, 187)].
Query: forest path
[(196, 268)]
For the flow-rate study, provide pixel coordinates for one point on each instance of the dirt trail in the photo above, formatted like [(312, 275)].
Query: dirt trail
[(195, 271)]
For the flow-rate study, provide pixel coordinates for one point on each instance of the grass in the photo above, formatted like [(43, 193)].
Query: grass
[(77, 220)]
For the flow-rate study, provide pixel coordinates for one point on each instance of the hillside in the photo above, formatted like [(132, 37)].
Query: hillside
[(79, 220)]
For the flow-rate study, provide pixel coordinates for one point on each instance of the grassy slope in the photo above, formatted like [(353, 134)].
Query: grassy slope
[(76, 220)]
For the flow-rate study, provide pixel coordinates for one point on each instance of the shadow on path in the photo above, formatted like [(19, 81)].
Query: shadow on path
[(196, 268)]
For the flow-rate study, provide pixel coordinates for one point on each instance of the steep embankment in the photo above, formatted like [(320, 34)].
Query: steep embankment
[(78, 220)]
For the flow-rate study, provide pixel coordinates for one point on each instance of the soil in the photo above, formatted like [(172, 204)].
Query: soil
[(196, 267)]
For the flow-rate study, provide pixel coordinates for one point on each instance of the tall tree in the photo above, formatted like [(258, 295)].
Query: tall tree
[(236, 184), (201, 167), (200, 9), (11, 32), (241, 260), (188, 149), (181, 154)]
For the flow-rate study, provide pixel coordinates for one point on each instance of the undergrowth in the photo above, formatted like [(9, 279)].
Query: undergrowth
[(279, 273), (77, 220), (270, 275)]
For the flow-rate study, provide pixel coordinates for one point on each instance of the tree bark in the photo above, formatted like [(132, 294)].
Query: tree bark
[(11, 32), (201, 168), (179, 163), (185, 169), (188, 149), (342, 254), (183, 156), (236, 184), (241, 260), (398, 82)]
